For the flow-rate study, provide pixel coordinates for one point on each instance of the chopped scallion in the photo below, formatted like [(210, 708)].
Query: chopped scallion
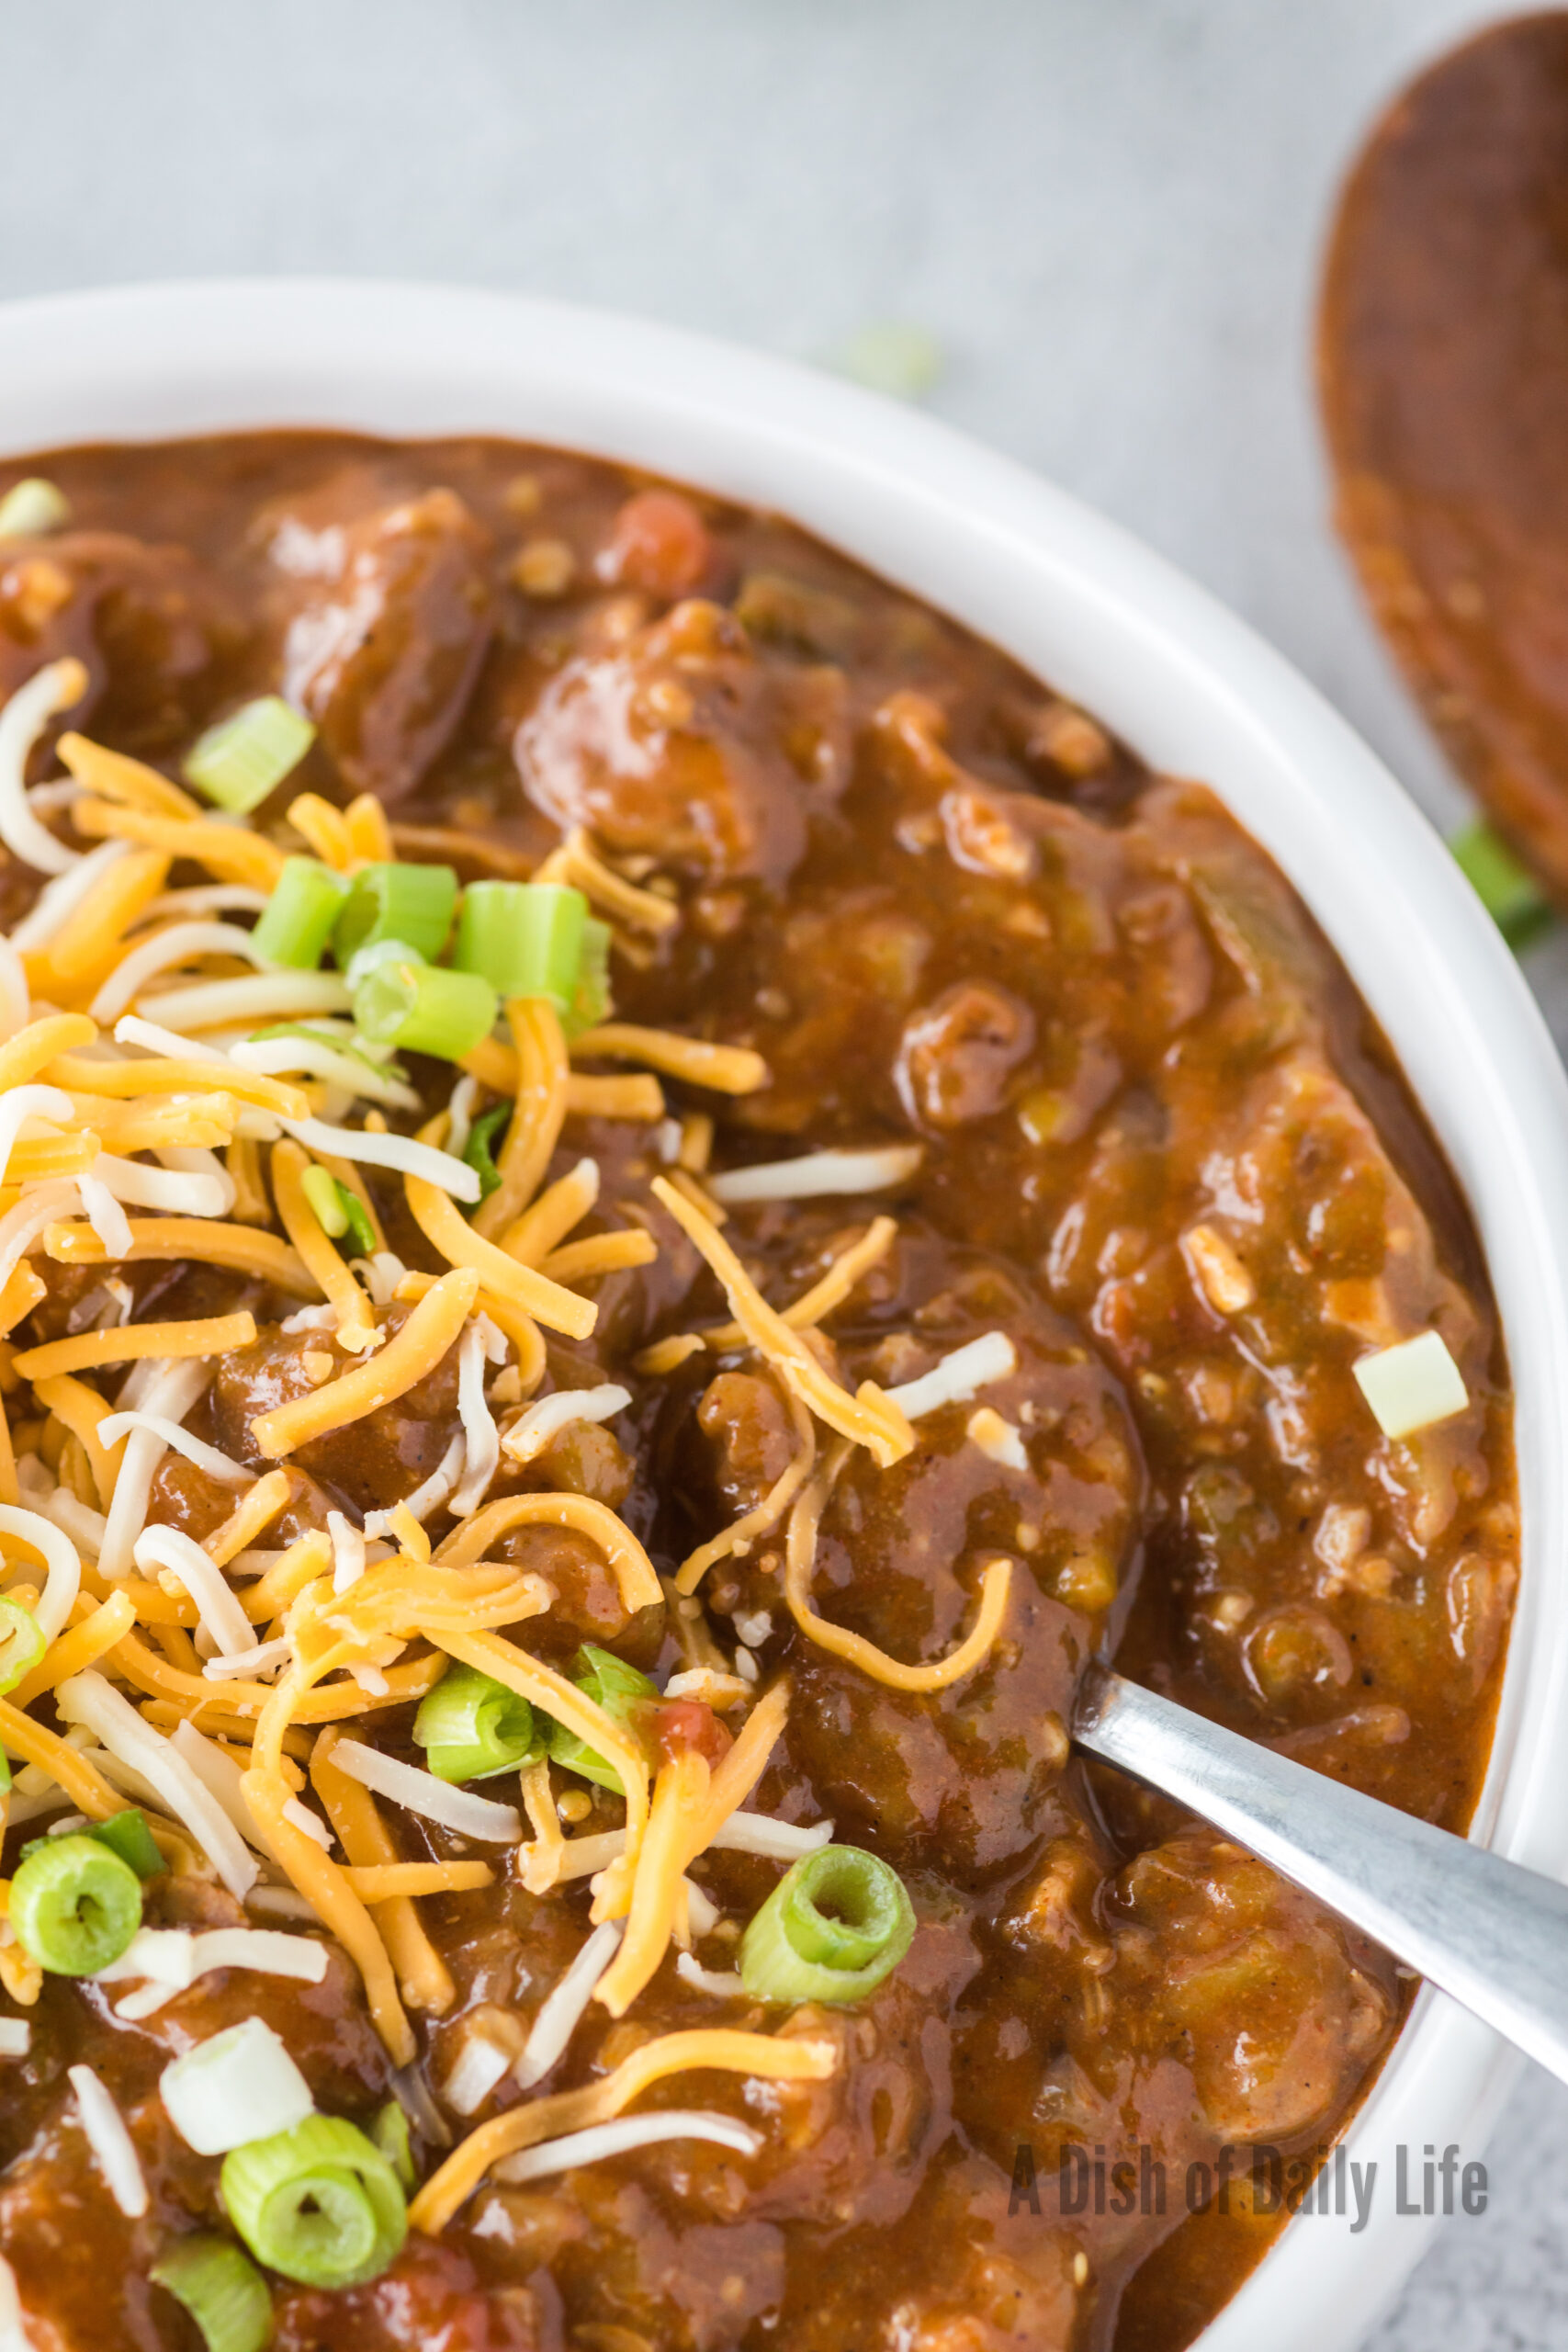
[(74, 1904), (411, 903), (22, 1642), (247, 755), (321, 2203), (323, 1192), (591, 999), (425, 1008), (31, 507), (355, 1222), (478, 1152), (222, 2291), (471, 1727), (622, 1691), (391, 2133), (1507, 888), (837, 1923), (126, 1835), (295, 925), (525, 937)]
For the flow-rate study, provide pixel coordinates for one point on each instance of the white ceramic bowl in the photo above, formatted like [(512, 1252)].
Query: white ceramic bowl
[(1192, 688)]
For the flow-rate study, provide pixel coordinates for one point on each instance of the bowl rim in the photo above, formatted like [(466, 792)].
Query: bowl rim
[(1109, 622)]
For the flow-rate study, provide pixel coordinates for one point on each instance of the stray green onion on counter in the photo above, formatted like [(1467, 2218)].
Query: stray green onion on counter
[(1507, 888)]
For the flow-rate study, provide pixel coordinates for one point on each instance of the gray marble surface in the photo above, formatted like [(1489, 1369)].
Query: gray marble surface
[(1107, 213)]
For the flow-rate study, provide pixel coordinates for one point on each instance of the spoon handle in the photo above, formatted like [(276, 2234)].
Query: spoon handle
[(1489, 1932)]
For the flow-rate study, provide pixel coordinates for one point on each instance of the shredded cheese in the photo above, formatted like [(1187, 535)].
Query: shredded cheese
[(422, 1793), (412, 1353), (800, 1553), (868, 1418), (742, 1533), (628, 1563), (764, 2057), (236, 1247)]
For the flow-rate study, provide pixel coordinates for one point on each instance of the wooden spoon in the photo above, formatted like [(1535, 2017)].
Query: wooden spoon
[(1443, 376)]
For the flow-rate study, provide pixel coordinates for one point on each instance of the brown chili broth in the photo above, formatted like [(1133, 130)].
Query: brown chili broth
[(1109, 1013)]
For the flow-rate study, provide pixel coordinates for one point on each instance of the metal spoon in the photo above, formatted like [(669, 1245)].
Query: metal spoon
[(1485, 1930), (1443, 377)]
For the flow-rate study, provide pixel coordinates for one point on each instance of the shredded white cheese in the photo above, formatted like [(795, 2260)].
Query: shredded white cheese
[(725, 1985), (815, 1173), (481, 2065), (422, 1793), (182, 942), (959, 1377), (88, 1699), (111, 2141), (562, 2009), (482, 1445), (216, 1605), (543, 1422), (601, 2140), (22, 723)]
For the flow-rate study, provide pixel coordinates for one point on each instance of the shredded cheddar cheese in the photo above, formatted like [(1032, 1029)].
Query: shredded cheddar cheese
[(869, 1418), (425, 1979), (90, 1350), (762, 2056), (800, 1553), (406, 1359)]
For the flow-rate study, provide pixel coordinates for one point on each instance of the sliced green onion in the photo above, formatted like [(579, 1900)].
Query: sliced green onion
[(321, 2203), (74, 1904), (391, 2133), (224, 2293), (471, 1727), (4, 1770), (425, 1009), (126, 1835), (246, 756), (411, 903), (297, 922), (322, 1190), (525, 937), (1507, 888), (478, 1152), (357, 1223), (591, 1000), (22, 1642), (339, 1044), (31, 507), (837, 1923), (621, 1691)]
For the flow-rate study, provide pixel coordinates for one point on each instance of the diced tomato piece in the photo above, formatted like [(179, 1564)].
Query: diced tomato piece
[(430, 2301), (689, 1723), (660, 543)]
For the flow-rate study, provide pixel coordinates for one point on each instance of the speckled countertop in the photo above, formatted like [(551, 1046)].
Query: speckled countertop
[(1107, 213)]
